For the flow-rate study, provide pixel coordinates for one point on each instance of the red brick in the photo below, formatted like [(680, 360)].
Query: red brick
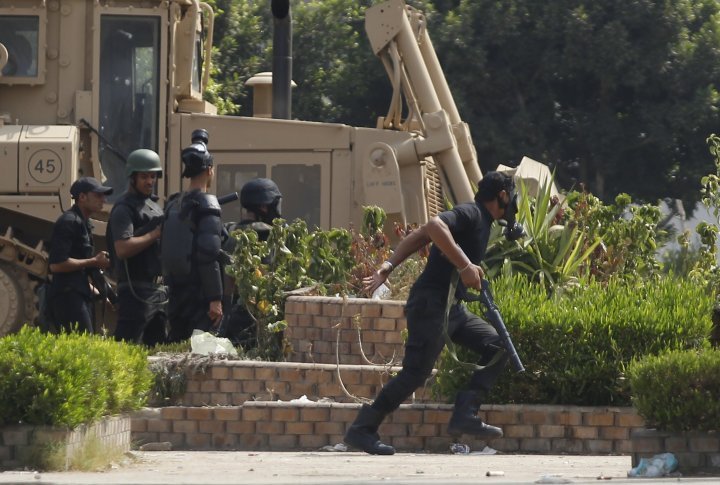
[(584, 432), (614, 433), (393, 310), (599, 419), (569, 418), (371, 309), (411, 443), (265, 427), (219, 372), (199, 414), (536, 445), (265, 373), (501, 418), (648, 445), (535, 417), (705, 443), (329, 428), (243, 373), (315, 413), (282, 442), (550, 431), (519, 431), (172, 413), (629, 420), (313, 308), (291, 375), (208, 385), (176, 439), (385, 324), (255, 414), (240, 427), (285, 414), (563, 445), (253, 441), (138, 425), (226, 414), (223, 441), (230, 386), (212, 427), (343, 415), (184, 426), (198, 441), (159, 426), (332, 309), (299, 428), (425, 430), (219, 399), (312, 441), (599, 446)]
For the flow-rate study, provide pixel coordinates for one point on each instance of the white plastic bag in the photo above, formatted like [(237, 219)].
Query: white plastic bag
[(205, 343)]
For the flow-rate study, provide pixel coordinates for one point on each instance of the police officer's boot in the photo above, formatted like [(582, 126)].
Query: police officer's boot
[(363, 434), (464, 418)]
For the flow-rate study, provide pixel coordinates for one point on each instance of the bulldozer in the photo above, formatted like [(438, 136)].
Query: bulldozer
[(84, 83)]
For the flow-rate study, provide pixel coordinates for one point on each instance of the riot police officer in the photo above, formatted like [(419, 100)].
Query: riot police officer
[(262, 200), (192, 252), (72, 256), (133, 236)]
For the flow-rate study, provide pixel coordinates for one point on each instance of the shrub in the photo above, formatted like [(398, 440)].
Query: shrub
[(678, 390), (69, 379), (576, 345)]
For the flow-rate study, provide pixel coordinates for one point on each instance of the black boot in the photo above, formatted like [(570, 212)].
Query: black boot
[(464, 418), (362, 433)]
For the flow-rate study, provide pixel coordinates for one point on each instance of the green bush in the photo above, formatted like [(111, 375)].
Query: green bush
[(678, 390), (576, 345), (69, 379)]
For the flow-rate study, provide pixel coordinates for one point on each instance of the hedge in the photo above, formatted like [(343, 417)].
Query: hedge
[(69, 379), (678, 390), (577, 345)]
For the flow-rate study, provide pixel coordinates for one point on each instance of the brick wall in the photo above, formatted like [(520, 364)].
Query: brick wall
[(316, 323), (281, 426), (233, 382), (696, 452), (18, 442)]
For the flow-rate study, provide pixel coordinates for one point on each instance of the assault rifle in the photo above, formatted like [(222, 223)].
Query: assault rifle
[(496, 320)]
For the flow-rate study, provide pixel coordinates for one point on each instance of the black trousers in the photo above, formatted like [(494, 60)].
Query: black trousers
[(187, 310), (142, 316), (425, 312), (72, 310)]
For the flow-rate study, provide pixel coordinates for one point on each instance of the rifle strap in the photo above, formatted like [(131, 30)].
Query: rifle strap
[(454, 279)]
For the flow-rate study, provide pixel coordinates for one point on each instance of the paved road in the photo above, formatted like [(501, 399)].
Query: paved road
[(326, 468)]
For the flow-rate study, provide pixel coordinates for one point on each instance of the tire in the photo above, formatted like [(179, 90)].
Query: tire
[(17, 300)]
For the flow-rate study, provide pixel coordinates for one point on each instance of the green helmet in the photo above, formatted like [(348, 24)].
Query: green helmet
[(143, 160)]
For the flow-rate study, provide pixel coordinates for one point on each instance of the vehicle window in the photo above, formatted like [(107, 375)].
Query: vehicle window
[(129, 90), (19, 34), (231, 178), (300, 187)]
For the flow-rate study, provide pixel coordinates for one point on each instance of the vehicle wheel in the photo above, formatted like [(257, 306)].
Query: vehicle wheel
[(17, 300)]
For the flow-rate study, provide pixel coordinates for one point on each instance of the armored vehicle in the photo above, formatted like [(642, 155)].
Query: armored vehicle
[(84, 83)]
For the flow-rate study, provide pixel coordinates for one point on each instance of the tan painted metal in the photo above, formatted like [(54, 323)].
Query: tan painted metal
[(102, 78)]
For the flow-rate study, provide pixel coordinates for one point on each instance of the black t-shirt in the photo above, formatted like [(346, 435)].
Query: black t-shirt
[(134, 215), (469, 225), (71, 238)]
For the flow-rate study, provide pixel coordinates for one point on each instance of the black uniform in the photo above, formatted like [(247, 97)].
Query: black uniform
[(142, 315), (238, 325), (425, 312), (190, 295), (70, 295)]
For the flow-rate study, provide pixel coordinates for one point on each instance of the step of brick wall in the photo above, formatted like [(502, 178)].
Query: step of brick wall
[(306, 425), (233, 382)]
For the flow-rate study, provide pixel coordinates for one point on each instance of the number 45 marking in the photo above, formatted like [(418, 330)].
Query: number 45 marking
[(45, 166)]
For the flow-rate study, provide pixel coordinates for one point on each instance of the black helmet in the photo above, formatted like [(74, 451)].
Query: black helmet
[(196, 158), (259, 192), (200, 136)]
